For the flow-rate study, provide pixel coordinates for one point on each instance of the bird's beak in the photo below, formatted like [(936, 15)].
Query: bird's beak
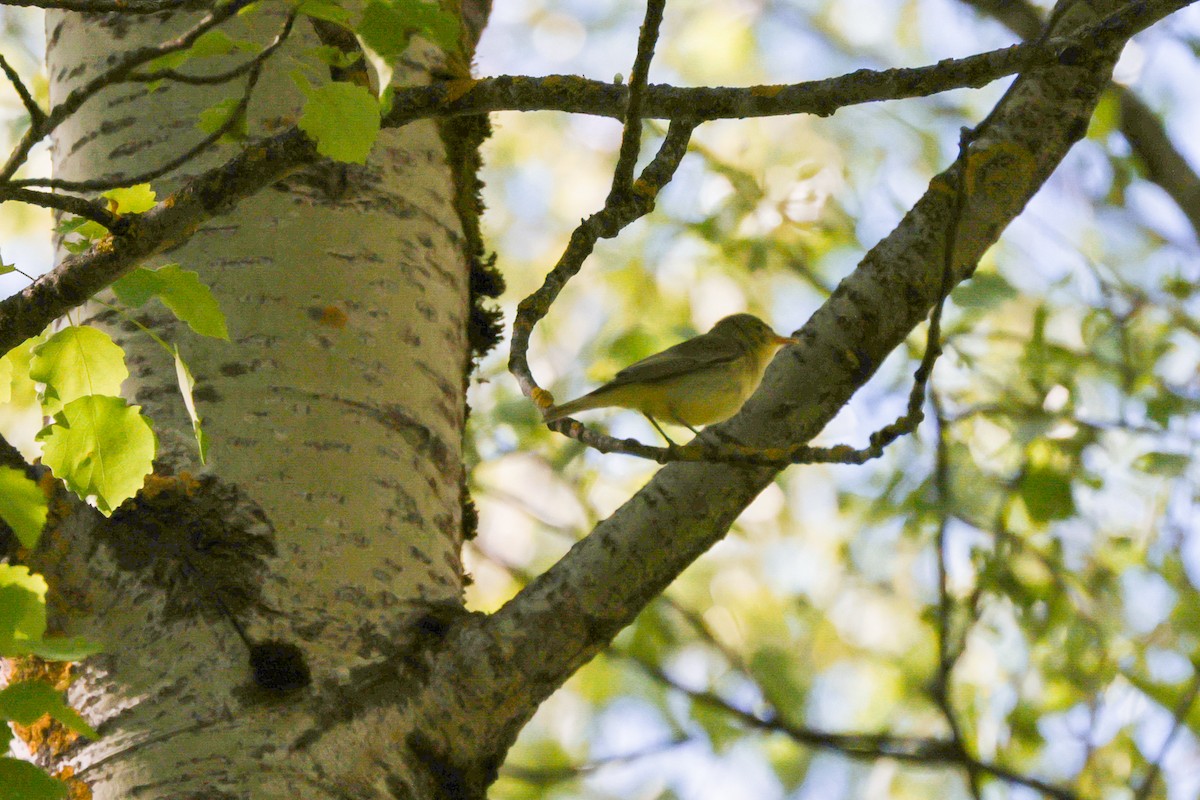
[(782, 340)]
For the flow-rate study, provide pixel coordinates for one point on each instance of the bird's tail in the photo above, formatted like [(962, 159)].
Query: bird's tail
[(590, 400)]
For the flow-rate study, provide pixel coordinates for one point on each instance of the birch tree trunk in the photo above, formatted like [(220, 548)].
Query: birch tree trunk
[(328, 515)]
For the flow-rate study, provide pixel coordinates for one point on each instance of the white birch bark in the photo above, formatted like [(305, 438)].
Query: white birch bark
[(331, 497)]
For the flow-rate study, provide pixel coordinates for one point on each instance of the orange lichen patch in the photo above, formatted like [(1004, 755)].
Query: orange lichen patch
[(45, 736), (184, 483), (644, 189), (32, 668), (332, 317), (76, 789), (942, 185), (48, 484), (542, 398), (773, 453), (459, 88), (767, 90), (997, 167)]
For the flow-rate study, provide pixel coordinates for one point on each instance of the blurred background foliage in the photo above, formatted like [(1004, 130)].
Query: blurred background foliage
[(1021, 574), (1019, 577)]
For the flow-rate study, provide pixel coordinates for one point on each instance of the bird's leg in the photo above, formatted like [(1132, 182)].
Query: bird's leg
[(658, 428)]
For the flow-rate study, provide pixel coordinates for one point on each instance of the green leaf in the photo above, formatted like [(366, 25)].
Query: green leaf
[(28, 701), (774, 671), (20, 408), (1046, 493), (69, 224), (209, 44), (385, 30), (7, 268), (20, 780), (387, 26), (984, 290), (328, 54), (719, 725), (91, 230), (186, 384), (22, 608), (63, 648), (6, 376), (213, 118), (212, 43), (328, 10), (23, 620), (181, 291), (342, 118), (132, 199), (22, 505), (1170, 464), (100, 447), (77, 361)]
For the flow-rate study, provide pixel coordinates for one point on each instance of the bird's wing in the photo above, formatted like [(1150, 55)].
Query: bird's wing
[(697, 353)]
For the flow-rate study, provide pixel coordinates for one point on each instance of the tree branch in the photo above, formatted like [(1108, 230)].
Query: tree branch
[(514, 659), (79, 206), (106, 6), (233, 120), (20, 312), (824, 97), (167, 225), (114, 74), (36, 115), (631, 135), (1141, 127)]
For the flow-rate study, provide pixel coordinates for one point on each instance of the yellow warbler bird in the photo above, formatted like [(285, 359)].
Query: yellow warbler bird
[(703, 380)]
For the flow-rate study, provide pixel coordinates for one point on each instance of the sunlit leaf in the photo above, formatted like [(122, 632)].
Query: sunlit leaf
[(101, 447), (23, 506), (78, 360), (132, 199), (22, 608), (342, 118), (181, 291), (983, 290), (186, 384)]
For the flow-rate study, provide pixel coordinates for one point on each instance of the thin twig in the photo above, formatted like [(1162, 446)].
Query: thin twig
[(115, 74), (1182, 709), (229, 74), (631, 135), (823, 97), (606, 223), (235, 117), (94, 210), (106, 6), (542, 775), (858, 746), (36, 115)]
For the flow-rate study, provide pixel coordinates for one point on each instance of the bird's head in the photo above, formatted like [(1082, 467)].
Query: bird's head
[(752, 332)]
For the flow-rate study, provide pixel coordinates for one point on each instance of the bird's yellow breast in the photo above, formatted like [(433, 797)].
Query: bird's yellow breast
[(697, 398)]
